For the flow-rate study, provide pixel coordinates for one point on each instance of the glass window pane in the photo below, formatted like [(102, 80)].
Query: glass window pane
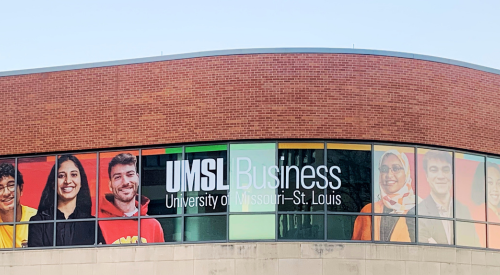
[(22, 235), (10, 203), (125, 232), (76, 182), (355, 162), (154, 174), (37, 198), (341, 227), (119, 182), (435, 231), (470, 234), (394, 229), (300, 191), (206, 169), (35, 173), (394, 170), (435, 183), (40, 234), (172, 229), (7, 190), (6, 233), (301, 227), (470, 185), (252, 227), (253, 190), (206, 228), (494, 236), (75, 233), (493, 189), (362, 228)]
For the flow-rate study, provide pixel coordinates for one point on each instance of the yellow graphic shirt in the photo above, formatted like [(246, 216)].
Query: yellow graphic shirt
[(7, 231)]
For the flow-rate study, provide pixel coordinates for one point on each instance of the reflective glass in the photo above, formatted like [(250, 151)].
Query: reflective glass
[(37, 186), (8, 203), (37, 198), (171, 229), (341, 227), (394, 185), (354, 162), (470, 187), (205, 176), (6, 235), (470, 234), (118, 185), (22, 233), (301, 227), (126, 232), (205, 228), (153, 180), (434, 231), (493, 189), (252, 227), (435, 184), (76, 185), (394, 229), (494, 236), (300, 162), (253, 188), (41, 234), (77, 233)]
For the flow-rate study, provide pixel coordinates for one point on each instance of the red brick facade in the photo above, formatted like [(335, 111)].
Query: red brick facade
[(258, 96)]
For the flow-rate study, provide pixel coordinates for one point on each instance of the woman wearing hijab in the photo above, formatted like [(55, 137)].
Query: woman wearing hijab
[(73, 202), (396, 197)]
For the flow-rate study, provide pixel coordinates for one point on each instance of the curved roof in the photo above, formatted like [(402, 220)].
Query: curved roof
[(253, 51)]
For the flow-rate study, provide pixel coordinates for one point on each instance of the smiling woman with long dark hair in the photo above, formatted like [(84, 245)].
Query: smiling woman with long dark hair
[(73, 202)]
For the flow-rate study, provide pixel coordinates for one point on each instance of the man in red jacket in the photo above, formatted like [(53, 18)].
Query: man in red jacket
[(123, 202)]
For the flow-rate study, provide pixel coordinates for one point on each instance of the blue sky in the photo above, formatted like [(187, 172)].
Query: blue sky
[(36, 34)]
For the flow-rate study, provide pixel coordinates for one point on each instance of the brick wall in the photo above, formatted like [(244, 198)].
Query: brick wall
[(259, 96)]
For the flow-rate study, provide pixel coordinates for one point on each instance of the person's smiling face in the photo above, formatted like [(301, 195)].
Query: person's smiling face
[(392, 174), (124, 182), (439, 176), (68, 181), (8, 188)]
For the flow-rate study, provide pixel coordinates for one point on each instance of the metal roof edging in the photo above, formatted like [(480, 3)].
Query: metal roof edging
[(251, 51)]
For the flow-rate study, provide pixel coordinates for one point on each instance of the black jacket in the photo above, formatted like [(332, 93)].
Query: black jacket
[(67, 233)]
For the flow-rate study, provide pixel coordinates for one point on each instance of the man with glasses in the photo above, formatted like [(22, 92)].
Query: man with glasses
[(9, 202)]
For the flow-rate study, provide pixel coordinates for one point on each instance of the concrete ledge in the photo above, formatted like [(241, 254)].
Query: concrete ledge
[(253, 258)]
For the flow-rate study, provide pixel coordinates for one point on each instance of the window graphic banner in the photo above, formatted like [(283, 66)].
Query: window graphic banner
[(257, 183), (242, 191)]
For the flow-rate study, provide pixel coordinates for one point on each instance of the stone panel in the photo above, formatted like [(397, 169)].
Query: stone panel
[(256, 266), (344, 266), (300, 266), (254, 258)]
